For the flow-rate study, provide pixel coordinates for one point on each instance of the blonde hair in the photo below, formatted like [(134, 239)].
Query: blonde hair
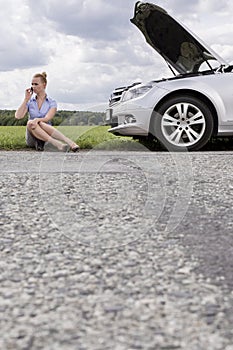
[(42, 76)]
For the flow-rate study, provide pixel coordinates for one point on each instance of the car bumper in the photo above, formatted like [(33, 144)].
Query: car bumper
[(129, 130), (129, 120)]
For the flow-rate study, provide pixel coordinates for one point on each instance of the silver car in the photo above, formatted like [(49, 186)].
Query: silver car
[(183, 112)]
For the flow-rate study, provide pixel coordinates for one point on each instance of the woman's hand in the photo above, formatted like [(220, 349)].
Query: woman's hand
[(28, 94), (33, 123)]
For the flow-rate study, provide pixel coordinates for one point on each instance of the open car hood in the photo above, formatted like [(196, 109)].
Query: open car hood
[(182, 49)]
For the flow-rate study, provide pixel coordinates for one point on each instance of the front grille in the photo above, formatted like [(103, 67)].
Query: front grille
[(117, 93)]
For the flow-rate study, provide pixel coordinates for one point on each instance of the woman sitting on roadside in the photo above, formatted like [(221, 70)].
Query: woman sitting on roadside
[(42, 109)]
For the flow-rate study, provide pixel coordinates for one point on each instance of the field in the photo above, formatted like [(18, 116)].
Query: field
[(13, 137)]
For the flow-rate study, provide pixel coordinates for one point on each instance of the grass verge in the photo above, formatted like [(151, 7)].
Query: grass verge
[(88, 137)]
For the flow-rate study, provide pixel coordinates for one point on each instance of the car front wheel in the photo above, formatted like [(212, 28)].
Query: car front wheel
[(183, 123)]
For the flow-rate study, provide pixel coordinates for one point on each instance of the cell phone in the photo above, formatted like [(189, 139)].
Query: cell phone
[(31, 89)]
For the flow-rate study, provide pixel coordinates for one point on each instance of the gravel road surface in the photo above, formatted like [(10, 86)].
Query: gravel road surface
[(116, 250)]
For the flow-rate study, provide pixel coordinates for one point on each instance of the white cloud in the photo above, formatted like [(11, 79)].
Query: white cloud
[(23, 43), (99, 19), (89, 47)]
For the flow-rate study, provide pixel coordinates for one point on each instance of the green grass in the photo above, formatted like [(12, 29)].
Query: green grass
[(89, 137), (13, 137)]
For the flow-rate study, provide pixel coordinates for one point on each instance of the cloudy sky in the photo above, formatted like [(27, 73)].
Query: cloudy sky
[(89, 47)]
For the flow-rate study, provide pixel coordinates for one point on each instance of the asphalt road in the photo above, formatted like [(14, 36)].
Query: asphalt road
[(116, 250)]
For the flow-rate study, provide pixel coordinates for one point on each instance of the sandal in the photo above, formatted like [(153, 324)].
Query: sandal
[(75, 148)]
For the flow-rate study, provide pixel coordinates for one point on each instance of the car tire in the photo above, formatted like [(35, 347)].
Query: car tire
[(182, 123)]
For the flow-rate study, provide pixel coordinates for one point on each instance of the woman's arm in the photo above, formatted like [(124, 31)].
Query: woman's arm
[(49, 116), (22, 110)]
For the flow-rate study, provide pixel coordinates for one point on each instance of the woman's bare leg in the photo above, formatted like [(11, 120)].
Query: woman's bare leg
[(56, 134), (39, 133)]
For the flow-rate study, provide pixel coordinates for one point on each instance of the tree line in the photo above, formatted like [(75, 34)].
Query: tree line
[(7, 118)]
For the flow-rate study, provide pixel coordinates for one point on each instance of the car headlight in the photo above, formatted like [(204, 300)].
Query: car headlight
[(135, 92)]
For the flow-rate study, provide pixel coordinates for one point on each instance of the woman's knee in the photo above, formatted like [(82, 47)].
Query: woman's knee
[(32, 126), (29, 125)]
